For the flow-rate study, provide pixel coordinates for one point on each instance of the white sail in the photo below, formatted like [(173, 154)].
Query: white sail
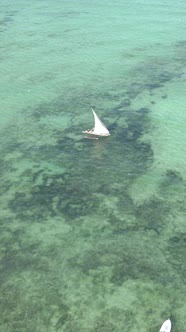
[(166, 327), (99, 128)]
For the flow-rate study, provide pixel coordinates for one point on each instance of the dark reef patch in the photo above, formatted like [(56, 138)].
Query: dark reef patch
[(17, 255), (180, 52), (173, 186), (135, 89), (132, 267), (93, 166), (152, 215), (127, 141), (176, 254), (154, 74), (62, 105), (64, 317), (172, 175), (60, 194), (124, 260), (5, 22)]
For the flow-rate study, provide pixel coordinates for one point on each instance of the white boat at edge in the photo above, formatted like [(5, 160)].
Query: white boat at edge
[(166, 326), (99, 128)]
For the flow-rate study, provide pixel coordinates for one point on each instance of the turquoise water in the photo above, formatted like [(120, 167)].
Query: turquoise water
[(93, 233)]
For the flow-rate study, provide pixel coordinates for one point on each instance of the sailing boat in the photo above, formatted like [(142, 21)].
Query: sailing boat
[(166, 327), (99, 128)]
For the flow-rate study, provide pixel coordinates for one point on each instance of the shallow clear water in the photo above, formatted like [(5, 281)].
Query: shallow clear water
[(93, 233)]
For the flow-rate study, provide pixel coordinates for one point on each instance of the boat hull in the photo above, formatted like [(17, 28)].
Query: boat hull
[(92, 133)]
